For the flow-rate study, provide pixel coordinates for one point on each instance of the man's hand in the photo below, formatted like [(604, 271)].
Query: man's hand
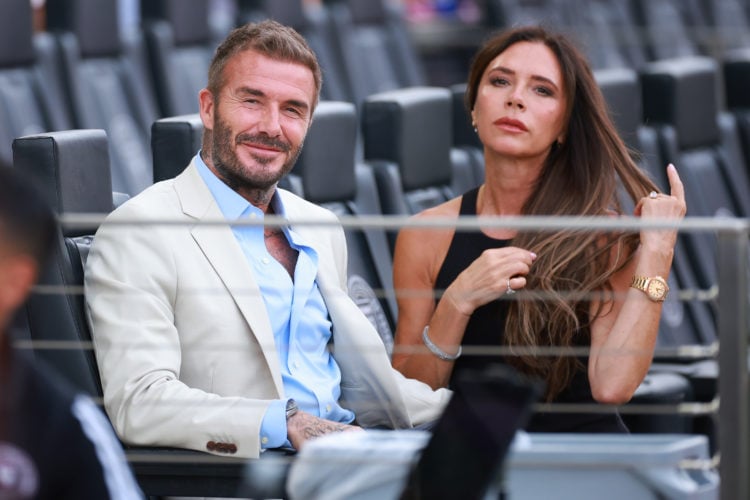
[(303, 426)]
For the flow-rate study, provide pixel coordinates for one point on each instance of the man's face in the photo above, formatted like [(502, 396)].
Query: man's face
[(259, 120)]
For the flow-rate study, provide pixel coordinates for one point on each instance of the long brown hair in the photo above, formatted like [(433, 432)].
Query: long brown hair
[(579, 178)]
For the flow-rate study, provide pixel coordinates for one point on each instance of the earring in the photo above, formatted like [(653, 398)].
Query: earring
[(474, 126)]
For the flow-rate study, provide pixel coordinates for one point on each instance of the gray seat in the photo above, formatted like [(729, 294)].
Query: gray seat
[(180, 45), (174, 142), (507, 13), (669, 27), (107, 84), (407, 139), (374, 45), (314, 23), (32, 98), (467, 148)]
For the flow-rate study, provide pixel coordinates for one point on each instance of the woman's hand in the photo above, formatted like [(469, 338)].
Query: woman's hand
[(492, 274), (662, 206)]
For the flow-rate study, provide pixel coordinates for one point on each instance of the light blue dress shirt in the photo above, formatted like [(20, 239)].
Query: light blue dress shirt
[(303, 331)]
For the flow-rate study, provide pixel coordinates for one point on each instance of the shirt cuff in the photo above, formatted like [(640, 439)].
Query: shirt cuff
[(273, 428)]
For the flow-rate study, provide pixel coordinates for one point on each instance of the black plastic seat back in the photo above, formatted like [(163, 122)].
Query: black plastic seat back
[(108, 84), (331, 177), (174, 142), (376, 51), (32, 96), (683, 322), (180, 46), (727, 26), (407, 139), (736, 77), (669, 27), (466, 144), (608, 34), (507, 13), (408, 133), (680, 96), (72, 170), (314, 23)]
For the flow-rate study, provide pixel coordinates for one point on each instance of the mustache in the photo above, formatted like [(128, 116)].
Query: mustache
[(264, 140)]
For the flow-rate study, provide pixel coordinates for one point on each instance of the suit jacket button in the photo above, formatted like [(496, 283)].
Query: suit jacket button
[(211, 446)]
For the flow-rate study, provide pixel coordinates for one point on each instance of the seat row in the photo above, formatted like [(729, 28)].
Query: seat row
[(82, 72), (631, 33)]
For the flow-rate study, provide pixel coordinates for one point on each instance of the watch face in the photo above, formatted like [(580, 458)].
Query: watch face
[(656, 289)]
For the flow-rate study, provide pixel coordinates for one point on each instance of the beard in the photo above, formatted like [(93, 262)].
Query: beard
[(238, 176)]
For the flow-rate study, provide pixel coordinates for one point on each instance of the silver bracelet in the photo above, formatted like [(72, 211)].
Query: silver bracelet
[(436, 350)]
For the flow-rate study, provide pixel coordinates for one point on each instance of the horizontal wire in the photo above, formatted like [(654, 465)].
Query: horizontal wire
[(528, 222)]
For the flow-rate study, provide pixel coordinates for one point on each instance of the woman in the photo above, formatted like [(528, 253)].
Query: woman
[(550, 149)]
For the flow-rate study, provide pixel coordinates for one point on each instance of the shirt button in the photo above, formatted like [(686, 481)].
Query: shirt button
[(265, 260), (328, 408), (264, 440)]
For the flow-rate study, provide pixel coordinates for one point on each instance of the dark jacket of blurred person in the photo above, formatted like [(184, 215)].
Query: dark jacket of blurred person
[(54, 442)]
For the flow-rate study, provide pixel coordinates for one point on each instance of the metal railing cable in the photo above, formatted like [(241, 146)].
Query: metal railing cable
[(730, 407)]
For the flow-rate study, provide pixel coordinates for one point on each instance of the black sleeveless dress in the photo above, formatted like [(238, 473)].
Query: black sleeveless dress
[(486, 327)]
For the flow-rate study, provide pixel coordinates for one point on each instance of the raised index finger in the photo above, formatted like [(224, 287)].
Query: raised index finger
[(675, 184)]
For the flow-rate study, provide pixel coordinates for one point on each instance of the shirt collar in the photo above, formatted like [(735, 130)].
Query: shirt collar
[(231, 204)]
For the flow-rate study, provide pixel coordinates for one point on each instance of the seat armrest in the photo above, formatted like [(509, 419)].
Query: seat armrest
[(179, 472)]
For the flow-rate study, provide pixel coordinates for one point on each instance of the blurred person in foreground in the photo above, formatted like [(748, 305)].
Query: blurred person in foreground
[(550, 149), (54, 442), (233, 339)]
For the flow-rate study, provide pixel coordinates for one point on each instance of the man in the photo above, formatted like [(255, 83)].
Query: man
[(54, 443), (233, 339)]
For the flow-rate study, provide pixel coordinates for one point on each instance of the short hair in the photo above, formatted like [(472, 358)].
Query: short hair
[(271, 39), (27, 223)]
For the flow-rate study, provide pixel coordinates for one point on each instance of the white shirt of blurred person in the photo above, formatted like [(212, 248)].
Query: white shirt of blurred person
[(54, 442), (206, 335)]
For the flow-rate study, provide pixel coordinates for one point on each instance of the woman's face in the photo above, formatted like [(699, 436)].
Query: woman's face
[(520, 107)]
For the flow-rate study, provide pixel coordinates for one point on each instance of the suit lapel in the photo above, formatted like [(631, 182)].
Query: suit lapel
[(223, 252)]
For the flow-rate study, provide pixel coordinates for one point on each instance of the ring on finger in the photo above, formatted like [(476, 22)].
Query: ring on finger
[(653, 195), (509, 290)]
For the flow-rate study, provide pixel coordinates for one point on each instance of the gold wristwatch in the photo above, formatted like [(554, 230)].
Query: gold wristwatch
[(655, 288)]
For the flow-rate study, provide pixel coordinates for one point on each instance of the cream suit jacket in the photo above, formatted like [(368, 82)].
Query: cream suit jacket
[(183, 340)]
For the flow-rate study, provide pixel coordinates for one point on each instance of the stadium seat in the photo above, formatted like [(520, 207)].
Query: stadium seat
[(683, 322), (31, 91), (507, 13), (314, 23), (608, 34), (467, 148), (57, 164), (407, 139), (726, 26), (736, 77), (174, 142), (72, 170), (332, 178), (180, 46), (680, 99), (375, 47), (667, 26), (107, 84)]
